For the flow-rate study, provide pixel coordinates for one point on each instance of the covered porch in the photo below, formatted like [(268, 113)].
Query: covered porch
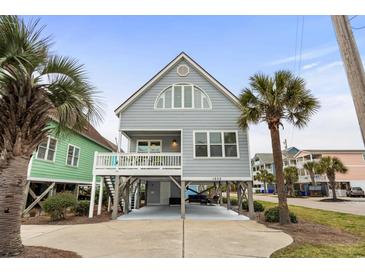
[(166, 197)]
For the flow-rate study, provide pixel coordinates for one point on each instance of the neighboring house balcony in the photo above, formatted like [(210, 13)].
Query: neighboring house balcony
[(143, 164), (307, 178)]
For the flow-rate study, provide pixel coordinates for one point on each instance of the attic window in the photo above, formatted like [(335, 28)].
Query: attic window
[(183, 70), (183, 96)]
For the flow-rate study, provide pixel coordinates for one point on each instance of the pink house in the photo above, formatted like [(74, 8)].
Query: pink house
[(354, 160)]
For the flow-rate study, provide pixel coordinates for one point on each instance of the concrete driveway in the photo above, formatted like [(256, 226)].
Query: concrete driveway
[(193, 212), (160, 238), (353, 205)]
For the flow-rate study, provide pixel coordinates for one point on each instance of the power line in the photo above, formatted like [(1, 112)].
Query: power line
[(356, 28), (301, 47), (296, 44)]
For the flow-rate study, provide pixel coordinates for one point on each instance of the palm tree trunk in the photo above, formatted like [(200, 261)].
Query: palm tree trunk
[(312, 178), (265, 187), (12, 181), (333, 185), (278, 161)]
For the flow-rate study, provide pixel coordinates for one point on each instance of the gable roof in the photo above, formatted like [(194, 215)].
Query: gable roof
[(266, 158), (187, 58), (91, 133), (290, 152)]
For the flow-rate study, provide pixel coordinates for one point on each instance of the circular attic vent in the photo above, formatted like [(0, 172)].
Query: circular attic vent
[(183, 70)]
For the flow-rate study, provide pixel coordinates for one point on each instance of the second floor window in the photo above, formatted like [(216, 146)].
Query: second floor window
[(183, 96), (215, 144), (47, 149), (73, 155), (149, 146)]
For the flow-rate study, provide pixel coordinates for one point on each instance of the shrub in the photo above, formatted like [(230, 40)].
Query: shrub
[(234, 201), (258, 207), (82, 208), (57, 205), (272, 215)]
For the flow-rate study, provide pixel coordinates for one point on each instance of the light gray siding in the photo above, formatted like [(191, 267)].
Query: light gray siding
[(223, 116)]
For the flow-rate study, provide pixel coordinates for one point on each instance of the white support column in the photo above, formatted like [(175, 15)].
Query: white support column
[(182, 199), (100, 201), (92, 197), (109, 203)]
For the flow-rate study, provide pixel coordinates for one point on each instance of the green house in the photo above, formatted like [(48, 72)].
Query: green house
[(63, 163)]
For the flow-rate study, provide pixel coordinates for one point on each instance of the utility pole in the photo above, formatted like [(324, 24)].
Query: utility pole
[(353, 65)]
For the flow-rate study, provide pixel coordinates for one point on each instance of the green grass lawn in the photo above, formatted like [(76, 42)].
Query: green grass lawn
[(346, 223)]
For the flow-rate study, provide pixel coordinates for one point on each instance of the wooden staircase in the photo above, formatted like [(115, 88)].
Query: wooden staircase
[(133, 196), (109, 182)]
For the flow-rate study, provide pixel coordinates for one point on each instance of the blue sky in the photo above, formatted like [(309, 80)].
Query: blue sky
[(122, 52)]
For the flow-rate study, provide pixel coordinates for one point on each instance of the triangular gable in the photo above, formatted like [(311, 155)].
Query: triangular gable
[(161, 73)]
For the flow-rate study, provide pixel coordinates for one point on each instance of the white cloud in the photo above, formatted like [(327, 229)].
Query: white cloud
[(307, 55), (311, 65), (335, 126)]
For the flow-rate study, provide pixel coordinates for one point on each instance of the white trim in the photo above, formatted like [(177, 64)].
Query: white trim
[(137, 172), (49, 137), (73, 156), (223, 144), (177, 134), (57, 180), (183, 65), (150, 129), (248, 152), (29, 170), (194, 88), (215, 179), (182, 150), (181, 56), (149, 144)]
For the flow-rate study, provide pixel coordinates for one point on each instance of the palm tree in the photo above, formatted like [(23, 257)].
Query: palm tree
[(35, 87), (291, 177), (312, 168), (273, 100), (265, 177), (330, 165)]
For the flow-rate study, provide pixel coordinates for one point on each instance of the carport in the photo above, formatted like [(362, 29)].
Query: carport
[(192, 212)]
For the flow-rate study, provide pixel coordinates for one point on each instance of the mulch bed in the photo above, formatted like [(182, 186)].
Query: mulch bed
[(45, 252), (70, 220), (334, 201), (312, 233)]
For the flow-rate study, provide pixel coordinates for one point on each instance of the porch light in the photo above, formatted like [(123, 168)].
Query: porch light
[(174, 142)]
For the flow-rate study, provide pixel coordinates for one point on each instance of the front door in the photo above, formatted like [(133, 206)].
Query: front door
[(153, 193)]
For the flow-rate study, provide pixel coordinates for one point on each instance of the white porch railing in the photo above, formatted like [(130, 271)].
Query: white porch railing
[(307, 178), (138, 161)]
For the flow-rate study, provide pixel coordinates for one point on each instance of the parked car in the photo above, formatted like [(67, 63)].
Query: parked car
[(355, 191)]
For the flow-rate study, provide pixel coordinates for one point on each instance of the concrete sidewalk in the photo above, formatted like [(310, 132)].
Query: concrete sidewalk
[(160, 238), (353, 205)]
